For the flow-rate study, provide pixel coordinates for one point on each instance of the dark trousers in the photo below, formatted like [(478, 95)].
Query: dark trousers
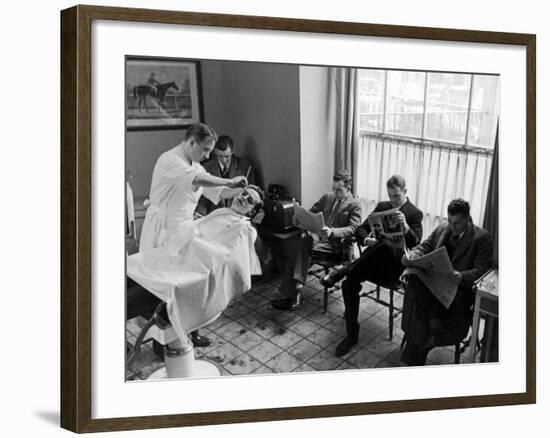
[(379, 264)]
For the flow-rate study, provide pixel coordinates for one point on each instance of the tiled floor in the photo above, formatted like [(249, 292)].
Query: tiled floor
[(252, 337)]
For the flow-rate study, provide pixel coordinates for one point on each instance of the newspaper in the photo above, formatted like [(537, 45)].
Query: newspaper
[(306, 220), (435, 269), (384, 227)]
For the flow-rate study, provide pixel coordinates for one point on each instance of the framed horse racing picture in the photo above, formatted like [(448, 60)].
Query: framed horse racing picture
[(162, 93)]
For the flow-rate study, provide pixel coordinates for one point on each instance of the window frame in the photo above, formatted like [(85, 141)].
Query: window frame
[(447, 144)]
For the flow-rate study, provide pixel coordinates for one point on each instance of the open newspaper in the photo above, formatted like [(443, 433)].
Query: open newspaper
[(384, 227), (435, 269), (306, 220)]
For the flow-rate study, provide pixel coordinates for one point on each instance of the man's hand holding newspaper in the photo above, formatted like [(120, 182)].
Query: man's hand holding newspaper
[(436, 271)]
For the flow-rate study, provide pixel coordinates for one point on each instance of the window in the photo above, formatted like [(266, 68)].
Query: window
[(454, 108)]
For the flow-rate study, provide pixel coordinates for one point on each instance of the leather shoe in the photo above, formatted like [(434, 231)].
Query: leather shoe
[(200, 341), (333, 277), (345, 346), (288, 303)]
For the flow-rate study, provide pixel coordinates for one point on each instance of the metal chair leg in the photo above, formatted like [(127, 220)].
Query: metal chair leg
[(457, 352), (390, 322), (136, 350)]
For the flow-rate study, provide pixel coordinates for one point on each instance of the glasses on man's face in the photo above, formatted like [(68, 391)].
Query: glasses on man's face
[(248, 197)]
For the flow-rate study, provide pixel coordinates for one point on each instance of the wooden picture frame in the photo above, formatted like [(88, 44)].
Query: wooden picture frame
[(76, 217)]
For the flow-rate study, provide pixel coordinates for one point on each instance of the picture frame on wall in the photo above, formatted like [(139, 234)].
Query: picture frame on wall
[(106, 50), (162, 93)]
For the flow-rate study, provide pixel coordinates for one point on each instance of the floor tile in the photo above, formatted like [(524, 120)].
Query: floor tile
[(322, 318), (224, 354), (254, 300), (263, 370), (304, 327), (265, 351), (323, 337), (243, 364), (235, 310), (304, 368), (364, 358), (381, 346), (286, 339), (305, 349), (219, 322), (284, 362), (324, 360), (248, 340), (231, 330)]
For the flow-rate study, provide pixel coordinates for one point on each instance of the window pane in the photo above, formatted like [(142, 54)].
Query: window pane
[(447, 106), (405, 102), (371, 99), (484, 113)]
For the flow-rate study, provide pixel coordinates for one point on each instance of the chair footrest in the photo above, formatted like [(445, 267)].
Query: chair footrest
[(163, 335)]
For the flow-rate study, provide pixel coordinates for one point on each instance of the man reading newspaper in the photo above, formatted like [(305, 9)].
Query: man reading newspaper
[(395, 224), (440, 273)]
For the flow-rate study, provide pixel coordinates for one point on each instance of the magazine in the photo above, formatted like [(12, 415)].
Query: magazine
[(384, 227), (435, 269), (306, 220)]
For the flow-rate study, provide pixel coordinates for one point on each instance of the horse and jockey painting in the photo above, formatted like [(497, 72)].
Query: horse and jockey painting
[(161, 93)]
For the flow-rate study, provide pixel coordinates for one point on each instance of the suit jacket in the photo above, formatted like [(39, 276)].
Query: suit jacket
[(343, 221), (472, 258), (239, 167), (413, 216), (473, 254)]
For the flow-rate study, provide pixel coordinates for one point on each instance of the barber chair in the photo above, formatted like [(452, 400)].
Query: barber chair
[(179, 357)]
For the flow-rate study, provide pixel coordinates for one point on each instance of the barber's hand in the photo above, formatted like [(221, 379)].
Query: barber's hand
[(326, 232), (405, 261), (456, 277), (400, 219), (238, 181), (259, 217)]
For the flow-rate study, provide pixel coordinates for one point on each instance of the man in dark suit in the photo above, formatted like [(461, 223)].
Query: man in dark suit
[(381, 261), (342, 215), (225, 164), (426, 322)]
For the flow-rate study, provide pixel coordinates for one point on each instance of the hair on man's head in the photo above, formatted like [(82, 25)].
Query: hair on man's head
[(396, 182), (344, 176), (458, 206), (201, 133), (224, 142), (260, 204)]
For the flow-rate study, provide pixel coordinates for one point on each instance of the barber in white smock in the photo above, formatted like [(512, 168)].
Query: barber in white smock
[(177, 184)]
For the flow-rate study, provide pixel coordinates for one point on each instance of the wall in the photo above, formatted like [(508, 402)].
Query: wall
[(256, 104), (317, 140), (262, 114)]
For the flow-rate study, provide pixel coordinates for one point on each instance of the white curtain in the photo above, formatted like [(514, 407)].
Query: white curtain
[(434, 176)]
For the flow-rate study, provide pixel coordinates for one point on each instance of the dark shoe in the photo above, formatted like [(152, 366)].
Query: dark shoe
[(200, 341), (287, 303), (345, 346), (333, 277)]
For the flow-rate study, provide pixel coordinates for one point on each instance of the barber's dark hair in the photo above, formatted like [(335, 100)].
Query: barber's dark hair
[(260, 204), (343, 175), (201, 133), (396, 182), (224, 142), (458, 206)]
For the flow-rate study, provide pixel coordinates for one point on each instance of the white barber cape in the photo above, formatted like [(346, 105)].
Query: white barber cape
[(173, 198), (200, 269)]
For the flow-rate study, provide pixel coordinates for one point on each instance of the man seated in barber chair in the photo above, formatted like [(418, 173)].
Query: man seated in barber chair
[(380, 262), (204, 265), (426, 322), (342, 215)]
